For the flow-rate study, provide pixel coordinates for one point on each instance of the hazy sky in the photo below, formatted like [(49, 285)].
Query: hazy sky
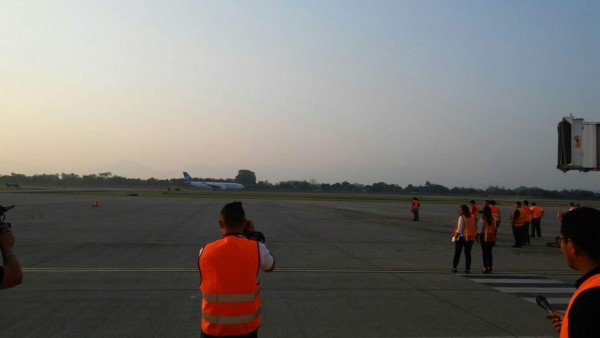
[(458, 93)]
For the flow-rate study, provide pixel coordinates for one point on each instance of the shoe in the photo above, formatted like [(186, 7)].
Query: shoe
[(486, 270), (467, 271), (454, 270)]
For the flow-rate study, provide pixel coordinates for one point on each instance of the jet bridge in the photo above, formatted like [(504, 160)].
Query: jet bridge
[(578, 145)]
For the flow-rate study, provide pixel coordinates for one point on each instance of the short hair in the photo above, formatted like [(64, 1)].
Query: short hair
[(233, 214), (533, 203), (518, 203), (472, 201), (582, 226), (526, 202), (492, 202)]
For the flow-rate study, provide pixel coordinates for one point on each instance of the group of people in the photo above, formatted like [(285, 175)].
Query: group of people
[(229, 267), (579, 242), (470, 228), (524, 218)]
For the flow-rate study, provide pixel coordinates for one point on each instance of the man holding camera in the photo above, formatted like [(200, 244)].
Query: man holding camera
[(579, 243), (10, 272), (229, 278)]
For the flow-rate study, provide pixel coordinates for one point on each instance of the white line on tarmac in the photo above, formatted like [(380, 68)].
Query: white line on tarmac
[(516, 281), (532, 290)]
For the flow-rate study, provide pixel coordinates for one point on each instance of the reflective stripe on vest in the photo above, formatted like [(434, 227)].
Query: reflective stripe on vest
[(242, 297), (489, 231), (589, 283), (229, 320), (229, 287)]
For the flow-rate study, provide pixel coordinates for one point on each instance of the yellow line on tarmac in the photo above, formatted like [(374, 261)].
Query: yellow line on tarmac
[(304, 269)]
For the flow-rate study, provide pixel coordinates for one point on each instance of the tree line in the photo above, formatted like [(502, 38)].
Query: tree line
[(248, 178)]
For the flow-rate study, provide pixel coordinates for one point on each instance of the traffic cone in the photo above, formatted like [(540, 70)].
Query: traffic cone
[(95, 204), (559, 214)]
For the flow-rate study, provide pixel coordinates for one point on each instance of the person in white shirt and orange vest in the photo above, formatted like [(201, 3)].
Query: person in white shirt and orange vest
[(579, 243), (463, 237), (486, 228), (229, 278), (517, 221), (536, 220)]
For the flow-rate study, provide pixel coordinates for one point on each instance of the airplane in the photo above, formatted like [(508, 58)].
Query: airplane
[(187, 179)]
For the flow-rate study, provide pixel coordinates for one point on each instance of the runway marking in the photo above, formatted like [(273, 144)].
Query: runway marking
[(527, 287)]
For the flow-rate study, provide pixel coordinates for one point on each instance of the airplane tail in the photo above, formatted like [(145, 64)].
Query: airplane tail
[(187, 177)]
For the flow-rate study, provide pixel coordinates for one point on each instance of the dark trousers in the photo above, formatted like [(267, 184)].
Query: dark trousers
[(536, 227), (458, 248), (415, 214), (518, 234), (526, 233), (249, 335), (486, 249)]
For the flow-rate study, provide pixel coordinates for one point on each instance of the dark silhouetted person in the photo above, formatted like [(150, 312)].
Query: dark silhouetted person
[(10, 272), (579, 243)]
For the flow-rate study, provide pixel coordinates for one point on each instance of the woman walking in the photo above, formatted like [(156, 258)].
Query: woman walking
[(486, 228), (463, 237)]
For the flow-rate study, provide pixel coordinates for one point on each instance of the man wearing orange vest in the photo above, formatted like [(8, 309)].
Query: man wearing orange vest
[(474, 210), (517, 220), (526, 210), (579, 242), (536, 219), (414, 208), (495, 213), (229, 278)]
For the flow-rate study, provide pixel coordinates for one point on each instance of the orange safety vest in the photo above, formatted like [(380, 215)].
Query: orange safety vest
[(229, 287), (488, 233), (469, 230), (495, 212), (520, 221), (592, 282), (415, 205), (474, 211), (536, 212), (526, 213)]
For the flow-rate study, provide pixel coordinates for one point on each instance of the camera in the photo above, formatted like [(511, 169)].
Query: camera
[(4, 225)]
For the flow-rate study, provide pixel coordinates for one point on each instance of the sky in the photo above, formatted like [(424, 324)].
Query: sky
[(457, 93)]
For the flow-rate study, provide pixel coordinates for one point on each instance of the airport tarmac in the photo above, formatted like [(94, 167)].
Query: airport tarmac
[(343, 269)]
